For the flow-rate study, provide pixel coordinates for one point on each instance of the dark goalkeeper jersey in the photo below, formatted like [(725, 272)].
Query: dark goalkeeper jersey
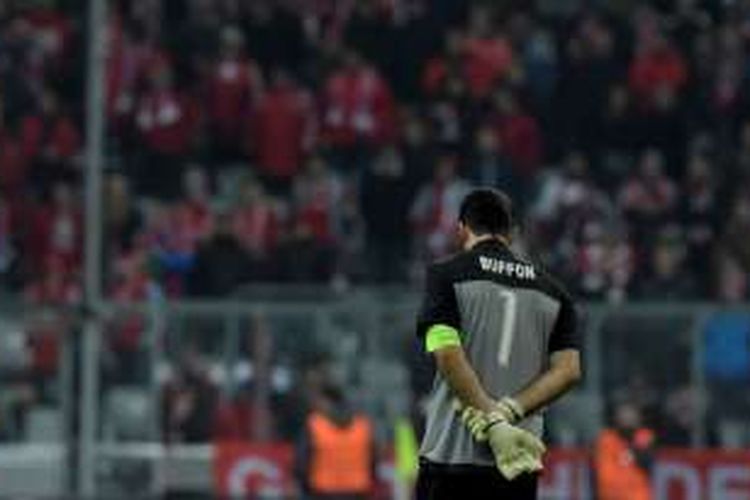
[(511, 316)]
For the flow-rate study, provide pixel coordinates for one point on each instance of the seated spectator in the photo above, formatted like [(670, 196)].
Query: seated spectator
[(282, 130), (18, 146)]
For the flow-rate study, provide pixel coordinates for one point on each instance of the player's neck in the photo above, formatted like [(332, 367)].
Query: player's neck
[(473, 241)]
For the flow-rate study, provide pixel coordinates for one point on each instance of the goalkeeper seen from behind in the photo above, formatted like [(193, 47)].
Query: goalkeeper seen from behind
[(505, 342)]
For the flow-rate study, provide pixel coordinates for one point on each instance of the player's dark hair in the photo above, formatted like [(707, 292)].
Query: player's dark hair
[(487, 211)]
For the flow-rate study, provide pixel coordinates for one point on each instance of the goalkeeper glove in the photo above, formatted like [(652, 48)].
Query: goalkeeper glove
[(516, 451)]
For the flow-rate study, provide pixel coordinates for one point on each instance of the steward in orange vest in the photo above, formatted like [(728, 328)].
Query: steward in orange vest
[(336, 455), (622, 457)]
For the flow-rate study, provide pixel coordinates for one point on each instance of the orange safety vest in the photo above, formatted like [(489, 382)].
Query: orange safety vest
[(341, 456), (618, 476)]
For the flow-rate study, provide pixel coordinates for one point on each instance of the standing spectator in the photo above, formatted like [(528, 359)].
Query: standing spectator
[(165, 120), (234, 85), (657, 67), (283, 130), (357, 108), (386, 195), (488, 55), (435, 209)]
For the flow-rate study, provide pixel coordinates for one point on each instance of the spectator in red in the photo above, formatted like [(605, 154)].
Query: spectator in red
[(165, 119), (256, 222), (234, 85), (318, 193), (450, 64), (657, 65), (52, 31), (435, 210), (55, 285), (59, 143), (520, 138), (489, 56), (649, 197), (56, 231), (19, 144), (282, 130), (358, 108)]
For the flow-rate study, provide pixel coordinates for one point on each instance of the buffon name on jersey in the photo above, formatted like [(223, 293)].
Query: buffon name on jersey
[(507, 268)]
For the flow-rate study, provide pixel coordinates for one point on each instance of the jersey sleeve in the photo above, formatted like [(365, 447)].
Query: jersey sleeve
[(439, 306), (565, 334)]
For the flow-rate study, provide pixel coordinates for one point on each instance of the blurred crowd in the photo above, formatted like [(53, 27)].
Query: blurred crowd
[(330, 142)]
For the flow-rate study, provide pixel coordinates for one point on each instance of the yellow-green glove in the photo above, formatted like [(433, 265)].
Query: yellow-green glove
[(516, 450)]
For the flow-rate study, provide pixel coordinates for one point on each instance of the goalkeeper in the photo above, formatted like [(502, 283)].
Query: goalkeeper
[(503, 335)]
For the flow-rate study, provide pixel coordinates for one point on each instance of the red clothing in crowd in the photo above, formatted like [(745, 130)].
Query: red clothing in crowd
[(60, 138), (127, 63), (17, 150), (521, 141), (487, 61), (233, 86), (55, 233), (656, 69), (166, 121), (56, 287), (483, 62), (257, 226), (44, 349), (358, 105), (53, 30), (191, 222), (128, 328), (282, 130)]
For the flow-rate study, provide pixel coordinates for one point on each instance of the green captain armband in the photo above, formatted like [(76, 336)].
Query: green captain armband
[(440, 336)]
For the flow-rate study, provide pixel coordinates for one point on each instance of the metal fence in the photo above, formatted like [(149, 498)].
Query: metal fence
[(271, 349)]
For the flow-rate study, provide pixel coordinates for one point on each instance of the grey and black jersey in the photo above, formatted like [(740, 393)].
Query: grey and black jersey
[(511, 316)]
